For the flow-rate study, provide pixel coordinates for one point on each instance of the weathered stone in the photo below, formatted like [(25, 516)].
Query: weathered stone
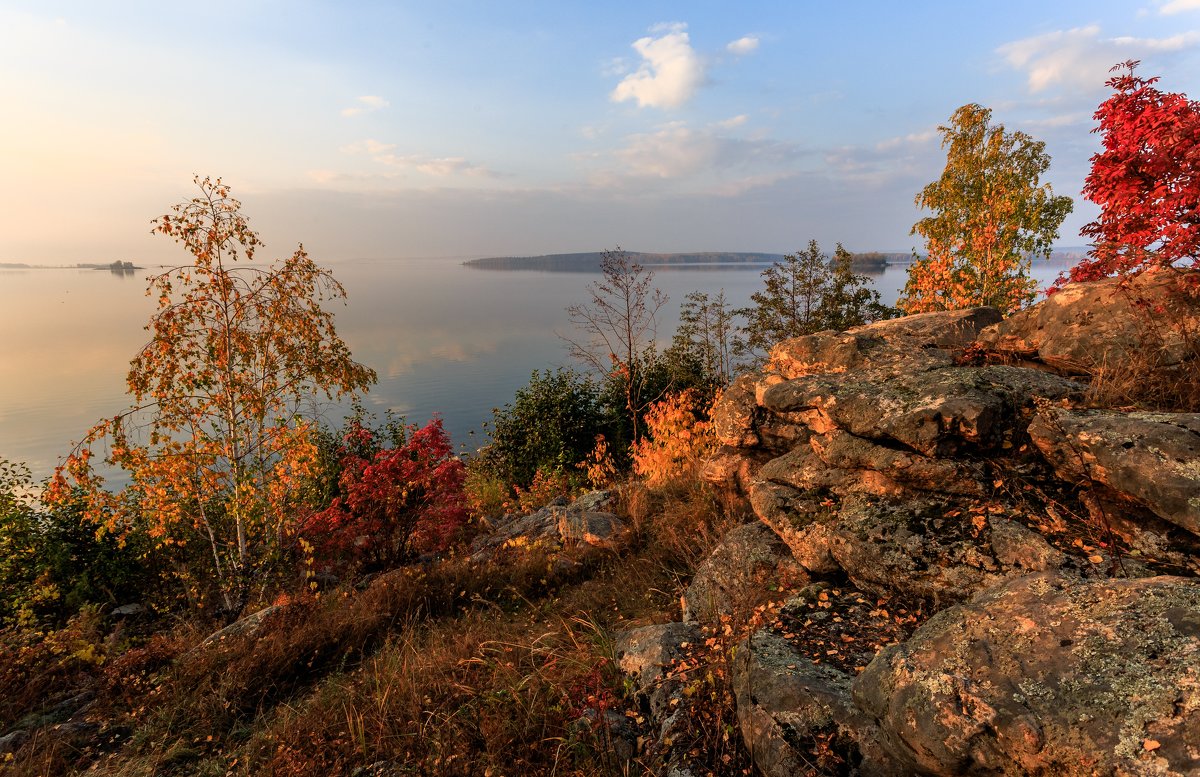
[(932, 549), (1045, 676), (1017, 548), (844, 451), (912, 340), (247, 625), (778, 434), (730, 469), (733, 416), (802, 468), (541, 524), (950, 329), (11, 742), (610, 732), (784, 701), (581, 520), (1087, 325), (1151, 458), (645, 655), (598, 500), (602, 530), (933, 412), (743, 570), (800, 520)]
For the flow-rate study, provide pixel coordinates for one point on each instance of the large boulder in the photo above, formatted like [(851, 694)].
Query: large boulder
[(1086, 325), (933, 548), (647, 654), (733, 416), (582, 522), (934, 412), (1151, 458), (801, 519), (887, 348), (913, 340), (247, 625), (948, 329), (1042, 675), (748, 566), (787, 707)]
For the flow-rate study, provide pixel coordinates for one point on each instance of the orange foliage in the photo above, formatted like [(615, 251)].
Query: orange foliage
[(677, 438), (214, 445), (599, 465), (547, 485)]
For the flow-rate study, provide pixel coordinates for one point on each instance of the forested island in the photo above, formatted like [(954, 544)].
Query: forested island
[(589, 261)]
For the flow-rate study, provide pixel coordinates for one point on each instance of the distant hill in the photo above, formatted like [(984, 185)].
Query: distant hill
[(590, 261)]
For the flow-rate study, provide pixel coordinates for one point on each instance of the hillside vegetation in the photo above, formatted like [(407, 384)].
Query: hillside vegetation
[(808, 537)]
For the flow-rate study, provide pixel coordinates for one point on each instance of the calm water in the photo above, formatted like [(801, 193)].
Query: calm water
[(444, 339)]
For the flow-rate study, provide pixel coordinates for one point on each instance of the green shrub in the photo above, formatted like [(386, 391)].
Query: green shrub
[(551, 424), (53, 562)]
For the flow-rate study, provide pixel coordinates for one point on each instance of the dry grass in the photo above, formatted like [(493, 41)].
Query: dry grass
[(454, 668), (1163, 373), (1142, 381)]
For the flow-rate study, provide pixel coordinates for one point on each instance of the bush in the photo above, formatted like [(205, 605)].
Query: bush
[(678, 436), (394, 500), (53, 562), (551, 424)]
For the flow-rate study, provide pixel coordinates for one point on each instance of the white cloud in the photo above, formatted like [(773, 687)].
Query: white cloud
[(670, 72), (886, 162), (1079, 58), (617, 66), (733, 121), (743, 45), (437, 167), (442, 167), (911, 139), (700, 159), (368, 146), (1179, 42), (671, 152), (366, 104), (1053, 122), (1178, 6)]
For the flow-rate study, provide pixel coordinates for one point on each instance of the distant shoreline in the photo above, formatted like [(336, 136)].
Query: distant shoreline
[(118, 266), (590, 261)]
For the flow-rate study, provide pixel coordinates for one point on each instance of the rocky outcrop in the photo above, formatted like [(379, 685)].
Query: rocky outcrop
[(785, 702), (647, 654), (247, 625), (1085, 326), (1043, 675), (929, 548), (1150, 458), (562, 523), (747, 564), (937, 412), (927, 485)]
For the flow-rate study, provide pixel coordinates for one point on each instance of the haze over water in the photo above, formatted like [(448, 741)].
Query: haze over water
[(444, 339)]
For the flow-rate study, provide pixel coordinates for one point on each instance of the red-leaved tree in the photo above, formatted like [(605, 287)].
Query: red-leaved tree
[(394, 502), (1146, 180)]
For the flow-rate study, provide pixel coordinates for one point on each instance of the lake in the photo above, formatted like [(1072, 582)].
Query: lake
[(444, 339)]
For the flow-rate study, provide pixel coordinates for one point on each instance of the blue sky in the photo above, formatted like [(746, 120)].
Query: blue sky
[(373, 129)]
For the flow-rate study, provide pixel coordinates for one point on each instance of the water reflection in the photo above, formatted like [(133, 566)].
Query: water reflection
[(443, 338)]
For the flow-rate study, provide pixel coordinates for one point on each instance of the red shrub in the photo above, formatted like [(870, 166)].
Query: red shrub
[(394, 502)]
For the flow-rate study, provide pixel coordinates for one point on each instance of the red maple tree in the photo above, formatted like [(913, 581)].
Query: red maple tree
[(1146, 180)]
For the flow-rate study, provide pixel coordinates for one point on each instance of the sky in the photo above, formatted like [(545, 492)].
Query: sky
[(401, 129)]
